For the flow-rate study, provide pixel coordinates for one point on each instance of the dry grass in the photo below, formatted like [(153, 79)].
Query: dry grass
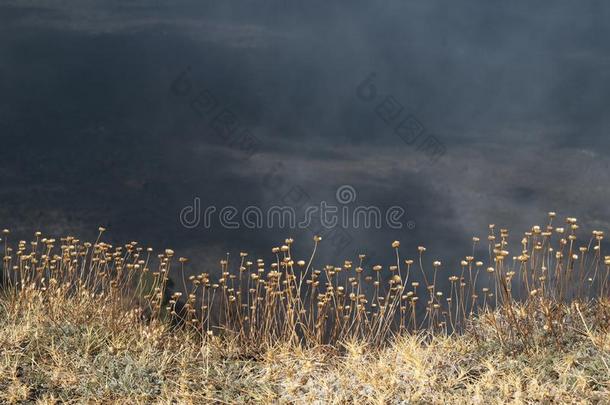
[(88, 322)]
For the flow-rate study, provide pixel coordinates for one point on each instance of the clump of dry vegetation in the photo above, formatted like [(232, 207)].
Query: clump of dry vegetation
[(82, 322)]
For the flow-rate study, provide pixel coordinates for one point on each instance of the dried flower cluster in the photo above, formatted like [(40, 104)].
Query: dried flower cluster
[(261, 303), (68, 305)]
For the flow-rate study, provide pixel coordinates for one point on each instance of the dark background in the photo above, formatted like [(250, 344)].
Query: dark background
[(91, 133)]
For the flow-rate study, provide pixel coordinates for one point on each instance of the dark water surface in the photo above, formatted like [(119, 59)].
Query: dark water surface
[(92, 133)]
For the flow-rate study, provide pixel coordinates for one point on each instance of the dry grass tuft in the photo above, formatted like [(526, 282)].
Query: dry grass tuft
[(89, 322)]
